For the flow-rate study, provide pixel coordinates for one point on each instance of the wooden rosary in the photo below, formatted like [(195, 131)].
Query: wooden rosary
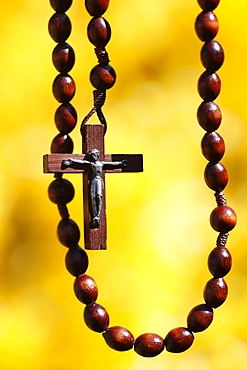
[(93, 163)]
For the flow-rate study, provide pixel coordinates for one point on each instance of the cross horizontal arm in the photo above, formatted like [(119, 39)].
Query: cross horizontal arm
[(53, 162)]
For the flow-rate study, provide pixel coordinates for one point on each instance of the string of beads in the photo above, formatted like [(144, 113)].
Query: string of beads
[(61, 191)]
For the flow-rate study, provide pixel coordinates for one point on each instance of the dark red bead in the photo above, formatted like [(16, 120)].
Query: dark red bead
[(206, 26), (215, 292), (99, 32), (216, 176), (68, 232), (212, 55), (219, 262), (199, 318), (61, 6), (209, 116), (62, 144), (223, 219), (63, 88), (63, 57), (213, 147), (209, 86), (85, 289), (208, 5), (61, 191), (96, 7), (65, 118), (149, 345), (76, 261), (102, 77), (96, 317), (178, 340), (59, 27), (119, 338)]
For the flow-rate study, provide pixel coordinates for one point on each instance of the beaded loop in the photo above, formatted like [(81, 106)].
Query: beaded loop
[(61, 191)]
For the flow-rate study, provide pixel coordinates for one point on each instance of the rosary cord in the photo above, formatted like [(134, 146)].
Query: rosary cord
[(222, 218)]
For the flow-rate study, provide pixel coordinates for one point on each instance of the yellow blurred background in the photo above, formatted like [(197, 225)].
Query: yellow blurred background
[(159, 236)]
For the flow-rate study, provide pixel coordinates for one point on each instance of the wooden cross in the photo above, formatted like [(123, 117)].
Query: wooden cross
[(95, 238)]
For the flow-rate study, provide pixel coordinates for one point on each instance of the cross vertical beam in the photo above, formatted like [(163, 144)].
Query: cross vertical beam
[(93, 138)]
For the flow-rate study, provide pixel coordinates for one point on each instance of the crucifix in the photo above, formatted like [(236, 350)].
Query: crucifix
[(93, 163)]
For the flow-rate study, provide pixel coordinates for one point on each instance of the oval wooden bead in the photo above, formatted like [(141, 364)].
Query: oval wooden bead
[(85, 289), (209, 86), (61, 6), (102, 77), (96, 7), (215, 292), (63, 88), (213, 147), (216, 176), (63, 57), (61, 191), (99, 32), (199, 318), (212, 55), (62, 144), (206, 26), (219, 262), (208, 4), (149, 345), (178, 340), (65, 118), (119, 338), (96, 317), (209, 116), (59, 27), (76, 261), (223, 219), (68, 232)]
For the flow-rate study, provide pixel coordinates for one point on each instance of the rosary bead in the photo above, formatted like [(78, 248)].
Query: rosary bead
[(209, 86), (223, 219), (96, 317), (85, 289), (59, 27), (119, 338), (63, 57), (199, 318), (216, 176), (62, 144), (63, 88), (99, 32), (76, 261), (65, 118), (68, 232), (102, 77), (212, 55), (149, 345), (96, 7), (61, 191), (178, 340), (209, 116), (61, 6), (213, 146), (208, 4), (206, 26), (219, 262), (215, 292)]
